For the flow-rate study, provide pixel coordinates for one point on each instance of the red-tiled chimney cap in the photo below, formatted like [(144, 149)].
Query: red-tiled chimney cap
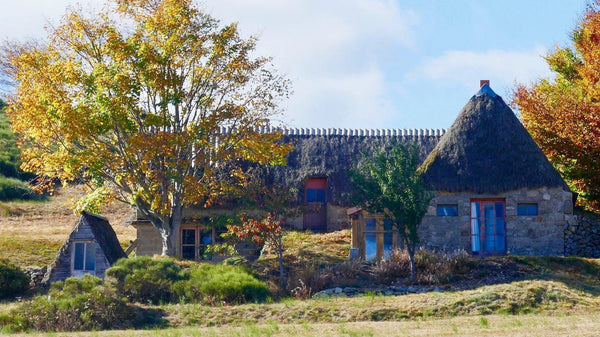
[(482, 82)]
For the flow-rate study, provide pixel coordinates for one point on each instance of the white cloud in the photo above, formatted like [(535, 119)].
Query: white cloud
[(358, 99), (466, 67), (334, 52)]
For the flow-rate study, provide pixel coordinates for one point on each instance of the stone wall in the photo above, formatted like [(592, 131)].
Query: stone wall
[(149, 241), (525, 235), (582, 237)]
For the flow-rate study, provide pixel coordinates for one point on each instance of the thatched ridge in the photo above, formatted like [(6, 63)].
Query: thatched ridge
[(332, 156), (487, 150)]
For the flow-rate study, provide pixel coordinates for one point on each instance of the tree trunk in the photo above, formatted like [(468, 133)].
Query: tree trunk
[(168, 244), (281, 270), (411, 257)]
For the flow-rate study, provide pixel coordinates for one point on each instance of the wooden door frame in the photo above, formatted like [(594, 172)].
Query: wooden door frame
[(482, 226)]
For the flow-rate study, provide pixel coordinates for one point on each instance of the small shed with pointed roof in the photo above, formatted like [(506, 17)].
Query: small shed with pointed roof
[(92, 247)]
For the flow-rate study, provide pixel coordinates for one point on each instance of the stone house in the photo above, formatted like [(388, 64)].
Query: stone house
[(317, 168), (495, 191), (92, 247)]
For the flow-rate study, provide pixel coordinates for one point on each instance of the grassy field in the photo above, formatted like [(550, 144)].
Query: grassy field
[(493, 325), (501, 296)]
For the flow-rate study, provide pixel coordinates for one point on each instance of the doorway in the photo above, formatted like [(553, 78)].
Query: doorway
[(488, 227)]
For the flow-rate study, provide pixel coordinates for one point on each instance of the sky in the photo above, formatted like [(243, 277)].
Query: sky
[(374, 63)]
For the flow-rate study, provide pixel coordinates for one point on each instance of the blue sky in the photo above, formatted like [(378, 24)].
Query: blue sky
[(376, 63)]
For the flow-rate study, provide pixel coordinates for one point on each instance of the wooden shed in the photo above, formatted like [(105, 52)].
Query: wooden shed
[(92, 247)]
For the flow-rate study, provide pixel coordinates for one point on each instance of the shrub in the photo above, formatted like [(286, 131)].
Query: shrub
[(12, 188), (217, 284), (395, 266), (144, 279), (439, 267), (13, 280), (432, 267), (73, 305), (311, 277)]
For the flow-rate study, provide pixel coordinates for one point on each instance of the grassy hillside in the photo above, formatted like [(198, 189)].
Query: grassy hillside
[(31, 232), (510, 295), (13, 183)]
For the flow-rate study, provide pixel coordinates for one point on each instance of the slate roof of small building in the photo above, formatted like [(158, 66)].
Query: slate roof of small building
[(104, 235), (487, 150)]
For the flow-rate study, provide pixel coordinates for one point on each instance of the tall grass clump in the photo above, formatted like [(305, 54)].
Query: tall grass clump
[(73, 305), (432, 267), (221, 284), (312, 277), (13, 279), (145, 280)]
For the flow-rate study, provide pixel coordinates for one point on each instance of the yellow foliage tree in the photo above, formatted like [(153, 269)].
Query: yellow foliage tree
[(132, 101)]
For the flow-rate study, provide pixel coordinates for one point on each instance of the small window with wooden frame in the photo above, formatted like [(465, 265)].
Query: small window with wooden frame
[(379, 237), (83, 259), (447, 210), (195, 242)]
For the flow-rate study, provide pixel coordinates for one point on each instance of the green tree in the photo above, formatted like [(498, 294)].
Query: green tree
[(9, 152), (388, 183), (13, 181), (563, 114), (132, 100)]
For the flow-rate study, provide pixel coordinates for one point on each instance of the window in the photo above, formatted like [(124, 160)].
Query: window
[(84, 257), (316, 190), (315, 195), (370, 239), (194, 243), (379, 238), (527, 209), (447, 210)]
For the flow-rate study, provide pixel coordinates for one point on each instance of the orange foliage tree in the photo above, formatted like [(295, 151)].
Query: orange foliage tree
[(563, 114), (131, 101)]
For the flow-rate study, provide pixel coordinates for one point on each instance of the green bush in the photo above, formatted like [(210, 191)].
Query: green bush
[(217, 284), (145, 280), (73, 305), (13, 280), (12, 188)]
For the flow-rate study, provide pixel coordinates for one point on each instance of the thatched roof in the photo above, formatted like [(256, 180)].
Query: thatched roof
[(332, 156), (105, 236), (487, 150)]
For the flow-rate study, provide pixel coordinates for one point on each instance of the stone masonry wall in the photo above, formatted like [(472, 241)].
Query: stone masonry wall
[(582, 237), (525, 235), (149, 241)]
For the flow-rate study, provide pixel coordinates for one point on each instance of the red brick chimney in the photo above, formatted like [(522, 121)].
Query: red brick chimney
[(482, 82)]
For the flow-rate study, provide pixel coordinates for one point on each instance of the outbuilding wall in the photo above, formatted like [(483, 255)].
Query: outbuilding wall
[(62, 268)]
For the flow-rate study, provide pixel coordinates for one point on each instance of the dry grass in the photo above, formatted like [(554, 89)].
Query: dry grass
[(517, 298), (32, 232), (495, 325)]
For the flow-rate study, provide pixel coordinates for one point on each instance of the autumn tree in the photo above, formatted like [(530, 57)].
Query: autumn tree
[(562, 114), (388, 183), (132, 100), (279, 204)]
